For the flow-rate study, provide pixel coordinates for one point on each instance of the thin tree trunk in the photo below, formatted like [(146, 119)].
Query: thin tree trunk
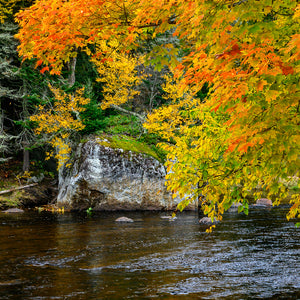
[(26, 160), (72, 67)]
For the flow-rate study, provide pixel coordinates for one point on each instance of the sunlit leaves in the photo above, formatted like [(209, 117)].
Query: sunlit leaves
[(118, 71), (59, 120), (243, 139), (53, 30)]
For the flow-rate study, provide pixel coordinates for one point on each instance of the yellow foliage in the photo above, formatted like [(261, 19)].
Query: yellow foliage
[(6, 8), (58, 121), (118, 71), (243, 135), (25, 175)]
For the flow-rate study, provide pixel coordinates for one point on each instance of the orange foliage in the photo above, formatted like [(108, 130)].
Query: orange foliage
[(246, 131)]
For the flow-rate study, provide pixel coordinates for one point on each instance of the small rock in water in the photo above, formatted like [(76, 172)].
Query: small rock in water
[(264, 202), (170, 218), (234, 207), (124, 220), (13, 210), (207, 221)]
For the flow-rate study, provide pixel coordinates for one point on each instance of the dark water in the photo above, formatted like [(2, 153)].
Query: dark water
[(51, 256)]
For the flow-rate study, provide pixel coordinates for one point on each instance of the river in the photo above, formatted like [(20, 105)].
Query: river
[(77, 256)]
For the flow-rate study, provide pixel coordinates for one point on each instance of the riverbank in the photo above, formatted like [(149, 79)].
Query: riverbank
[(25, 189), (45, 191), (34, 196)]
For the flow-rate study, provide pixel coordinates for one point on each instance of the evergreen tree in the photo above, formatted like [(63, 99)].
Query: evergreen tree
[(10, 86)]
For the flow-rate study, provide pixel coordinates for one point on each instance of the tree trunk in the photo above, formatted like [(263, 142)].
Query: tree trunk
[(26, 160), (72, 67)]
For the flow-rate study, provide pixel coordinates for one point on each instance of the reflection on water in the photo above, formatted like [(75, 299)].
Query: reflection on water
[(72, 256)]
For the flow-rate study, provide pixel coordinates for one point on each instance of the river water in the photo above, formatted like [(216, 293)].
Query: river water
[(76, 256)]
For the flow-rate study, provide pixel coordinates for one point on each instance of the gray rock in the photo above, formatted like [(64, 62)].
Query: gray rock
[(36, 179), (124, 220), (113, 179), (234, 207), (13, 210), (170, 218), (264, 202), (207, 221)]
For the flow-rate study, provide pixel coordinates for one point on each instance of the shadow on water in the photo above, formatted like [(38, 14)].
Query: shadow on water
[(75, 256)]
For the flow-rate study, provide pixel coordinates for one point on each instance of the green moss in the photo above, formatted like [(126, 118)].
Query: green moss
[(129, 144), (123, 124), (10, 200)]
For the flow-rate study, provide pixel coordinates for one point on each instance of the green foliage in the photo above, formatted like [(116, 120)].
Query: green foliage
[(89, 211), (9, 66), (93, 118), (35, 84)]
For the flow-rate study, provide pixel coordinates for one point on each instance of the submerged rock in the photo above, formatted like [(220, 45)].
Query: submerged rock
[(13, 210), (113, 179), (124, 220)]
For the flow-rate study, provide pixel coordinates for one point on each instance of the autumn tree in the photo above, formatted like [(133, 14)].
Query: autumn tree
[(119, 74), (104, 31), (59, 120), (245, 133)]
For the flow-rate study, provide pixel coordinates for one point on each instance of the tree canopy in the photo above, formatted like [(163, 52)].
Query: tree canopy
[(243, 136)]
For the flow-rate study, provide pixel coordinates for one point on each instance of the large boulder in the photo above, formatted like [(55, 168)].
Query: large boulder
[(105, 178)]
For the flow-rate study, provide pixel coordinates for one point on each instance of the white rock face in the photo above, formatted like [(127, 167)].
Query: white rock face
[(113, 179)]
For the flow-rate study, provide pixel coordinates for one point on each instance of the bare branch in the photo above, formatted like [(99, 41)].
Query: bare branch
[(140, 117)]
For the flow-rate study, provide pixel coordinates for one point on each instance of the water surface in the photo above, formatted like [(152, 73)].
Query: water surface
[(74, 256)]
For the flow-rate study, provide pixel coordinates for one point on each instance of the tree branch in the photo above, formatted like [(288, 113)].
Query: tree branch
[(140, 117), (17, 188)]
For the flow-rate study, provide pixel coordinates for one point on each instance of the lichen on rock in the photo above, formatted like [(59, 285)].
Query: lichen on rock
[(105, 178)]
